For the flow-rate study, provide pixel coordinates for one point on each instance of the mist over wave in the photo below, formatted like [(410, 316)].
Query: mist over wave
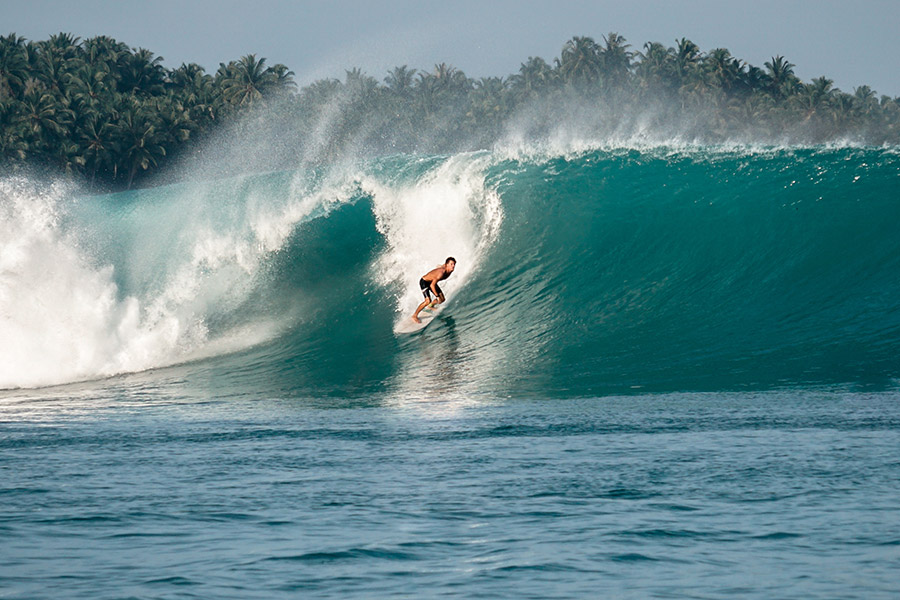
[(582, 270)]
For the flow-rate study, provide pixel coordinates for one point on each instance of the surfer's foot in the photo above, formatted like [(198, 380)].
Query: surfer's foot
[(416, 319)]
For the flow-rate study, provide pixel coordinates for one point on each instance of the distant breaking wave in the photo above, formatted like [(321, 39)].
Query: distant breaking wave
[(581, 273)]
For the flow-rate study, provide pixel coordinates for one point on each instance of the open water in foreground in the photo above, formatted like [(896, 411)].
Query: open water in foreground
[(140, 491), (661, 373)]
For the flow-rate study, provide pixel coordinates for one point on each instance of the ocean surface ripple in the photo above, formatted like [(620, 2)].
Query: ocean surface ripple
[(132, 493)]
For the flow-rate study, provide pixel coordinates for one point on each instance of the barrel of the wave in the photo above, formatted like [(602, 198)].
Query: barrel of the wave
[(695, 269)]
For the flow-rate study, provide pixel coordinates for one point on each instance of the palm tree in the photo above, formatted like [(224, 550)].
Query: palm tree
[(754, 79), (781, 76), (488, 103), (284, 78), (105, 54), (43, 119), (821, 87), (320, 93), (866, 100), (693, 87), (845, 112), (196, 91), (616, 59), (814, 97), (360, 86), (399, 81), (186, 77), (68, 156), (443, 73), (64, 45), (691, 84), (687, 59), (656, 66), (102, 108), (13, 65), (88, 87), (245, 81), (441, 92), (535, 78), (12, 143), (142, 74), (724, 70), (52, 70), (103, 51), (173, 120), (450, 80), (138, 139), (398, 110), (97, 138), (751, 114), (580, 63)]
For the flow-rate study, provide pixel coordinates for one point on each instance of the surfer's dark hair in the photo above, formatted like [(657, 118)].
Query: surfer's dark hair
[(449, 258)]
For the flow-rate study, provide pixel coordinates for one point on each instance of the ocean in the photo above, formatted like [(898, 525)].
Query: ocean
[(663, 371)]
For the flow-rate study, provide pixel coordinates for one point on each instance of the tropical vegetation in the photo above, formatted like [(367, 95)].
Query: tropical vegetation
[(112, 114)]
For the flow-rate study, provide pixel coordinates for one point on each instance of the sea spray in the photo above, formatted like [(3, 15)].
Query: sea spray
[(581, 272), (93, 287), (446, 211), (61, 317)]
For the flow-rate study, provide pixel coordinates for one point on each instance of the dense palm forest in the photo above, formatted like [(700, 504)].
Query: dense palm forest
[(113, 114)]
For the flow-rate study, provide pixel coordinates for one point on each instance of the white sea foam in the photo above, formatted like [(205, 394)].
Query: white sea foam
[(64, 315), (449, 211), (188, 258), (60, 317)]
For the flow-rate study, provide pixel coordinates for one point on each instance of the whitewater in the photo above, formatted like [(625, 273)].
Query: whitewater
[(665, 269), (663, 370)]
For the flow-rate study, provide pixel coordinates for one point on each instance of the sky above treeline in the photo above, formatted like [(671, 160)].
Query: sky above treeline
[(853, 43)]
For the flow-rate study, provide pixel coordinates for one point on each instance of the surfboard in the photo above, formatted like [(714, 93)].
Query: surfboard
[(426, 316)]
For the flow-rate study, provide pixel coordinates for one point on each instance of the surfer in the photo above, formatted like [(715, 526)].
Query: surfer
[(429, 285)]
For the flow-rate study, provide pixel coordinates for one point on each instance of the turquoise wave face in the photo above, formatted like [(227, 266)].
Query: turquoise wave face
[(624, 270), (591, 273), (703, 269)]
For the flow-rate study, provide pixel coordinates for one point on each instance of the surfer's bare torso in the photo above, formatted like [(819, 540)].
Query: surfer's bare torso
[(437, 274)]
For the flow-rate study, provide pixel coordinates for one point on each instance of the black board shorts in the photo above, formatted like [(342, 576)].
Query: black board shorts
[(426, 288)]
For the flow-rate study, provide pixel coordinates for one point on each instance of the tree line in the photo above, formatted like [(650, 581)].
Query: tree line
[(113, 114), (107, 111)]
